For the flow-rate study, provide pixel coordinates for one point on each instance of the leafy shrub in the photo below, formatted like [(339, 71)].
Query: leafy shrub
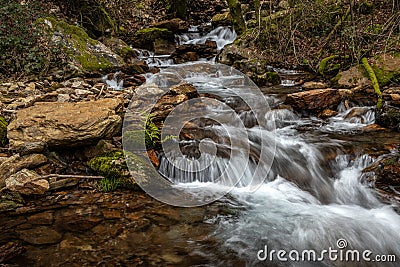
[(25, 47)]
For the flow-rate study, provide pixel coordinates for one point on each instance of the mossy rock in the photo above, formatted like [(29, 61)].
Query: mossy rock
[(86, 53), (386, 68), (145, 38), (267, 79), (121, 48), (3, 131), (110, 165), (113, 167), (224, 19)]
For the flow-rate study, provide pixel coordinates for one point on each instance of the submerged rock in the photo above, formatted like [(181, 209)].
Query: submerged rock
[(65, 124), (314, 100), (41, 235)]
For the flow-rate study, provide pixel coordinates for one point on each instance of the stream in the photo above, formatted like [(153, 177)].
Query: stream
[(284, 182)]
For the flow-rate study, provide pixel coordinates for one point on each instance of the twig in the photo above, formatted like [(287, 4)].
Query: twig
[(101, 91), (9, 110), (67, 176)]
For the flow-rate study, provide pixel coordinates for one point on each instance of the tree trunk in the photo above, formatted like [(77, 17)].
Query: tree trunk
[(237, 15)]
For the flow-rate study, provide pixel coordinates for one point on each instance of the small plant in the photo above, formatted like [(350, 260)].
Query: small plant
[(108, 184)]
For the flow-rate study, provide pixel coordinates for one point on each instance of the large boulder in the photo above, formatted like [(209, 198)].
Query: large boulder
[(314, 100), (65, 124), (174, 25), (88, 55)]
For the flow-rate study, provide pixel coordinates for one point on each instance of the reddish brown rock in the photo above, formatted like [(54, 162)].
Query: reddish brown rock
[(314, 100)]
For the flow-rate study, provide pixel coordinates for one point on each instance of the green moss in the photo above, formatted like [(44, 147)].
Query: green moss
[(110, 165), (77, 46), (324, 63), (392, 160), (374, 81), (145, 38), (267, 78), (92, 63), (113, 167), (3, 131)]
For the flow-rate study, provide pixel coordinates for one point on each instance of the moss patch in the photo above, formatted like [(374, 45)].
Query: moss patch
[(113, 167), (266, 79), (3, 131), (145, 38), (88, 53)]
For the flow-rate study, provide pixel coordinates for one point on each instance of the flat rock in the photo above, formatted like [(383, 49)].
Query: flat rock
[(65, 124), (40, 236), (314, 100)]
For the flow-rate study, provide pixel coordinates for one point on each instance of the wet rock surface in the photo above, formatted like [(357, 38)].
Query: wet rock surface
[(87, 227), (314, 100)]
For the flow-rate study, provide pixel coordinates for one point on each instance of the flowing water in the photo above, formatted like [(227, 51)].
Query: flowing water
[(313, 193)]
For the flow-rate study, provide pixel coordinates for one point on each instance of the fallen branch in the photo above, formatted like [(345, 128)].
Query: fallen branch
[(67, 176)]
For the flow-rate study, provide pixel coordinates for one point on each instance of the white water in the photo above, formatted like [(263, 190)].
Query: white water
[(221, 35), (307, 200)]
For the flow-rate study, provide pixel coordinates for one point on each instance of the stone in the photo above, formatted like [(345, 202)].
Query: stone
[(27, 182), (266, 79), (44, 218), (354, 77), (63, 98), (87, 55), (314, 85), (386, 172), (223, 19), (145, 38), (41, 235), (65, 124), (174, 25), (121, 48), (314, 100), (176, 95), (163, 47), (192, 52), (327, 113), (389, 117), (395, 99), (31, 148), (16, 163)]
